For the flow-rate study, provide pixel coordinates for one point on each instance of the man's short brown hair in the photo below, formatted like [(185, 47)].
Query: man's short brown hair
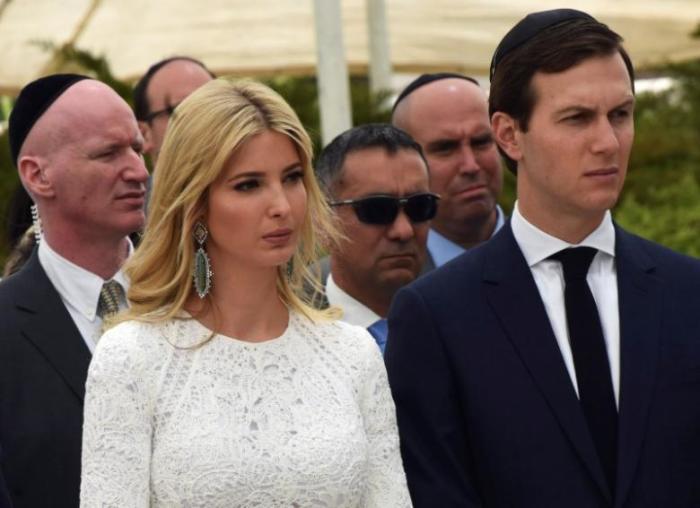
[(555, 49)]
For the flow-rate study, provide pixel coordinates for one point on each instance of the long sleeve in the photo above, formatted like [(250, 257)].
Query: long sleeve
[(117, 427), (303, 419), (386, 478)]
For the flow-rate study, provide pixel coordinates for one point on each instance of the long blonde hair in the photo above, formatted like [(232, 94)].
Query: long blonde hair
[(205, 129)]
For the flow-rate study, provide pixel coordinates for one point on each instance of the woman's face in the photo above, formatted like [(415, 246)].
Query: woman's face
[(258, 204)]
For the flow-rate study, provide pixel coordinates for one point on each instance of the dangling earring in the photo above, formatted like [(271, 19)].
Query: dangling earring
[(36, 220), (202, 266)]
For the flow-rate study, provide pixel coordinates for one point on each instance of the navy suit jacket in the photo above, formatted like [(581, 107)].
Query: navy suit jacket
[(487, 413), (4, 495), (43, 367)]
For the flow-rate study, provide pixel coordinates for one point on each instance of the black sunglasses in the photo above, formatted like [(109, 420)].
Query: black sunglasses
[(382, 210), (167, 110)]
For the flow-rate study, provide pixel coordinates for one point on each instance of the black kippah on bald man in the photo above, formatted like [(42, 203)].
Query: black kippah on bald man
[(34, 100), (77, 149)]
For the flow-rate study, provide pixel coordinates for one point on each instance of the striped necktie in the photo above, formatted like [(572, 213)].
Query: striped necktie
[(111, 295)]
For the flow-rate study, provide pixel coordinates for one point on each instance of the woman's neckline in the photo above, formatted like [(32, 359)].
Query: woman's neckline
[(238, 340)]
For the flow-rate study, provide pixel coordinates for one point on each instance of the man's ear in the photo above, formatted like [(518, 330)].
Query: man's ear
[(505, 131), (34, 179), (147, 134)]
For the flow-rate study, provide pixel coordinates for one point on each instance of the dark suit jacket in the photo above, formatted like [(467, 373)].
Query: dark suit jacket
[(43, 367), (486, 409), (4, 495)]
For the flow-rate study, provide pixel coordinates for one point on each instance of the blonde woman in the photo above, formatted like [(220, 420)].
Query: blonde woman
[(220, 386)]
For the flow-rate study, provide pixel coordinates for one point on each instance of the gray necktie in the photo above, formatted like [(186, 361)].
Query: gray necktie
[(110, 295)]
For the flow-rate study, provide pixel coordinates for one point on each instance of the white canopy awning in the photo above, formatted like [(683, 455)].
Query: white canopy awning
[(265, 37)]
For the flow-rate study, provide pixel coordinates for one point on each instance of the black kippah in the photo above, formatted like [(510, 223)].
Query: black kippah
[(528, 27), (32, 103), (424, 79)]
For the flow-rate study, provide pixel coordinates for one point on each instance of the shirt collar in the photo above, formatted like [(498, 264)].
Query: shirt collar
[(536, 245), (77, 286), (443, 250), (354, 312)]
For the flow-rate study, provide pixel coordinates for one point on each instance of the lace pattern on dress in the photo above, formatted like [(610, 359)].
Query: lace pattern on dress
[(305, 419)]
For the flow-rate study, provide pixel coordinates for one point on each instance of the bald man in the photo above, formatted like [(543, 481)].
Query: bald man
[(447, 114), (165, 85), (77, 148)]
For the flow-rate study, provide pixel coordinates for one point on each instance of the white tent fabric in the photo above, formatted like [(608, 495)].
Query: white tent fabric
[(264, 37)]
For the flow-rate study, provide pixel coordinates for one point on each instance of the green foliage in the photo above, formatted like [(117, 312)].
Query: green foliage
[(6, 104), (368, 107), (695, 34), (671, 217), (507, 199), (68, 58), (302, 94), (661, 200), (8, 182)]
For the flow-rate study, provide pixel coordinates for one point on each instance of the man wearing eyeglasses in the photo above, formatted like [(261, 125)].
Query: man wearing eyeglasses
[(376, 179), (165, 85), (447, 115)]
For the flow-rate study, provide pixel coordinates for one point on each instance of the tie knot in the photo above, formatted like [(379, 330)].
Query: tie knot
[(111, 295), (575, 261)]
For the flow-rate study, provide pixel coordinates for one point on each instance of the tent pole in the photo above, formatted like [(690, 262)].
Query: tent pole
[(379, 54), (332, 72)]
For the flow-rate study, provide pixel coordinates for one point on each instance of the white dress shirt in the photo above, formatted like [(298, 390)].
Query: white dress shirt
[(354, 312), (79, 290), (537, 246)]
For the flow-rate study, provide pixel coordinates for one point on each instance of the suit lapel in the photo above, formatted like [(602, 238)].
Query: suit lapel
[(640, 299), (515, 299), (48, 326)]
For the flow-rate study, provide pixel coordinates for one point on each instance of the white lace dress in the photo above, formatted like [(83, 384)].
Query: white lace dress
[(303, 420)]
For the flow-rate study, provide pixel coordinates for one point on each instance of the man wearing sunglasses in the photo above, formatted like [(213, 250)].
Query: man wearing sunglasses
[(447, 115), (165, 85), (376, 179)]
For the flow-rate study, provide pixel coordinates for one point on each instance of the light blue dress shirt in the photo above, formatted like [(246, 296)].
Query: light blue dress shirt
[(443, 250)]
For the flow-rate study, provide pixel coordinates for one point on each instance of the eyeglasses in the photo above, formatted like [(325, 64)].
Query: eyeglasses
[(383, 210), (167, 110)]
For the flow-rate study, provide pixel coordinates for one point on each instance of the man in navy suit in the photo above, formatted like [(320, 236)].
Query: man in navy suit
[(4, 495), (558, 364)]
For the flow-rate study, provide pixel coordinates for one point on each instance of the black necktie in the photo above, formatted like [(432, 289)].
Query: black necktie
[(590, 357)]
